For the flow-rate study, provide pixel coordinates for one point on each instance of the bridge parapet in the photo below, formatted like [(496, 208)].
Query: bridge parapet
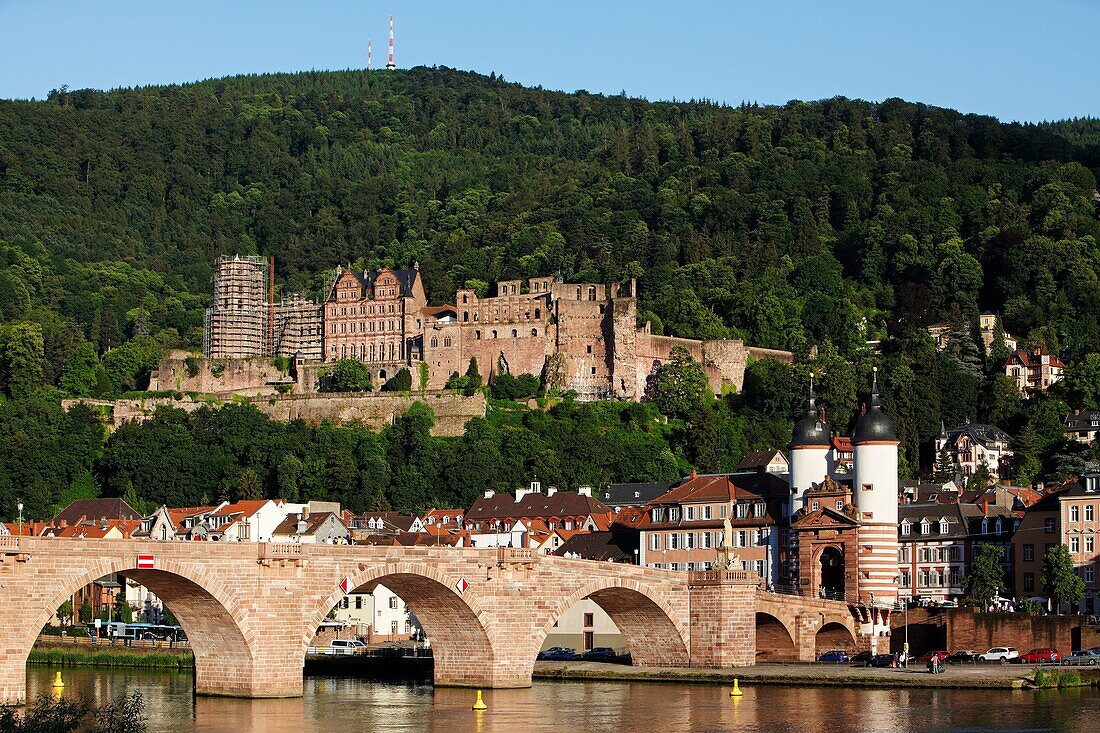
[(281, 552), (700, 578)]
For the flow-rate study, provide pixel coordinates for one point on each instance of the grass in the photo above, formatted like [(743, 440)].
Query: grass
[(111, 658), (1057, 679)]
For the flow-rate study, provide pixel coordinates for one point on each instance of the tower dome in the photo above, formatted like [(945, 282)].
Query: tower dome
[(811, 430), (873, 425)]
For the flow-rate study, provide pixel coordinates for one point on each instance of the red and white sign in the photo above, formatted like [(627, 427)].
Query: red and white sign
[(461, 586), (146, 562), (345, 585)]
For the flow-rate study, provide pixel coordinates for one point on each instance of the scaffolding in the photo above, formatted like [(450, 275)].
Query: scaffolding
[(236, 325), (297, 327)]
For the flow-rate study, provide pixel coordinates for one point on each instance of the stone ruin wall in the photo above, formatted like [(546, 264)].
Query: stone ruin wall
[(372, 410), (246, 377), (375, 410)]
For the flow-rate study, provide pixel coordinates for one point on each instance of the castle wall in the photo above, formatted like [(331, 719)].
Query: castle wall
[(247, 377)]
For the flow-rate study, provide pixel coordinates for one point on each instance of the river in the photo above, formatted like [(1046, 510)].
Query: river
[(347, 704)]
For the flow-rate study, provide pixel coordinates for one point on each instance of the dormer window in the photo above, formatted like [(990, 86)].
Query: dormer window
[(905, 527), (943, 526), (997, 527), (925, 527)]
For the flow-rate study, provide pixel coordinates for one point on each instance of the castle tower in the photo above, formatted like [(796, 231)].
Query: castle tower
[(875, 496), (809, 450)]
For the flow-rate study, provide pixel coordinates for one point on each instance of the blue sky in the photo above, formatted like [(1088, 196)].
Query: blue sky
[(1014, 60)]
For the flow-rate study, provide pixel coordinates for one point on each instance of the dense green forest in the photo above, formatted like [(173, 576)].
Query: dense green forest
[(822, 224)]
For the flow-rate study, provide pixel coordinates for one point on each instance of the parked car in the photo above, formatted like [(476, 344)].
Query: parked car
[(1042, 654), (1000, 654), (941, 657), (963, 656), (599, 653), (836, 656), (882, 660), (863, 658), (1085, 657), (557, 654), (346, 646)]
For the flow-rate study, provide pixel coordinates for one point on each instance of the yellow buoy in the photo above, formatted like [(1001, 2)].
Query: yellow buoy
[(480, 703), (736, 691), (57, 681)]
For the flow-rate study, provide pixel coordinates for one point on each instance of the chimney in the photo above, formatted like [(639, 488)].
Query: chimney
[(694, 475), (520, 493), (302, 526), (489, 493), (551, 490), (585, 491)]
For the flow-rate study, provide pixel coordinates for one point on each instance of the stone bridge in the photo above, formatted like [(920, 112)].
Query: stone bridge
[(251, 609)]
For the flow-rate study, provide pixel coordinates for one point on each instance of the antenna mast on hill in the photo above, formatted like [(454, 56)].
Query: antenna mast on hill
[(390, 64), (370, 56)]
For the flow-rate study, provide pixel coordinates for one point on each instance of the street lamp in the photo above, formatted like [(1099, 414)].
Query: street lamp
[(19, 506)]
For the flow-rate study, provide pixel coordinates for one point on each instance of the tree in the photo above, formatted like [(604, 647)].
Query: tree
[(288, 473), (81, 373), (944, 470), (473, 374), (85, 612), (350, 375), (680, 386), (1061, 583), (986, 577), (65, 613), (169, 618), (21, 350), (400, 382), (1082, 383)]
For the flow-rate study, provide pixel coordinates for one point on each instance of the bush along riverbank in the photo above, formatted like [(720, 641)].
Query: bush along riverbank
[(111, 657)]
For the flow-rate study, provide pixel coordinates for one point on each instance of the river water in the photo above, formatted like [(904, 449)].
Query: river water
[(346, 705)]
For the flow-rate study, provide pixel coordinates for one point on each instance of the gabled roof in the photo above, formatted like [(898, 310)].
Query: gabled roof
[(761, 459), (981, 434), (96, 509), (313, 522), (725, 487), (391, 521), (533, 505), (1033, 360), (406, 279), (822, 517), (634, 494), (245, 508), (606, 546), (1082, 420)]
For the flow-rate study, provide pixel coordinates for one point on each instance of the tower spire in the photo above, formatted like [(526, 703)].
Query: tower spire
[(390, 64), (874, 388), (813, 402)]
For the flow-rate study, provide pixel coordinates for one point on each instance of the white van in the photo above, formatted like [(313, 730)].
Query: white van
[(346, 646)]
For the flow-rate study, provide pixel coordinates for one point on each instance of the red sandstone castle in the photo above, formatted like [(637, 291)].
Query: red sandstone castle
[(580, 336)]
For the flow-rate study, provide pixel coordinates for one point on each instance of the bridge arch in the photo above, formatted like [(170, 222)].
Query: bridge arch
[(655, 633), (224, 646), (774, 640), (462, 645), (834, 635)]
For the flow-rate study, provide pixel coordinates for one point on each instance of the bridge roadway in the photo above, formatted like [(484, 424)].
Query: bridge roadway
[(251, 609)]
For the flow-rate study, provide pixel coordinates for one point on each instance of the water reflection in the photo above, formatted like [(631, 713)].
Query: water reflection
[(334, 704)]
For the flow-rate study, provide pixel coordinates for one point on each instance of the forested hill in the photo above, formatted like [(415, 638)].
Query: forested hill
[(825, 223)]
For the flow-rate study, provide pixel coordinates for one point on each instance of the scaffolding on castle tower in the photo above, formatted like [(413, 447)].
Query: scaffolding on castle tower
[(236, 324)]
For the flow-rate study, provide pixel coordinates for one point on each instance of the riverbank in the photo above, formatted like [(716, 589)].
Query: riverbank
[(105, 655), (963, 677)]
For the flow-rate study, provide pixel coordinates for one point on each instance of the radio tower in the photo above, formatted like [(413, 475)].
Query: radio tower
[(390, 64), (370, 56)]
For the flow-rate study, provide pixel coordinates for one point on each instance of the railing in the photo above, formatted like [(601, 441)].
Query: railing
[(7, 542), (281, 549), (66, 640), (516, 554), (718, 577)]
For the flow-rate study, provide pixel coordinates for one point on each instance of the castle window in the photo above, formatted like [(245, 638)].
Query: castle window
[(534, 332), (465, 298), (446, 340), (465, 315), (435, 342), (477, 335), (494, 332), (588, 348), (867, 487), (538, 314), (515, 333), (591, 292)]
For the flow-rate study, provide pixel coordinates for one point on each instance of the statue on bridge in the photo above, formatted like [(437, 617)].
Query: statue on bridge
[(726, 557)]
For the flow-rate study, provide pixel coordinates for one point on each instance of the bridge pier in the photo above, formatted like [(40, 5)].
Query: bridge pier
[(723, 618)]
